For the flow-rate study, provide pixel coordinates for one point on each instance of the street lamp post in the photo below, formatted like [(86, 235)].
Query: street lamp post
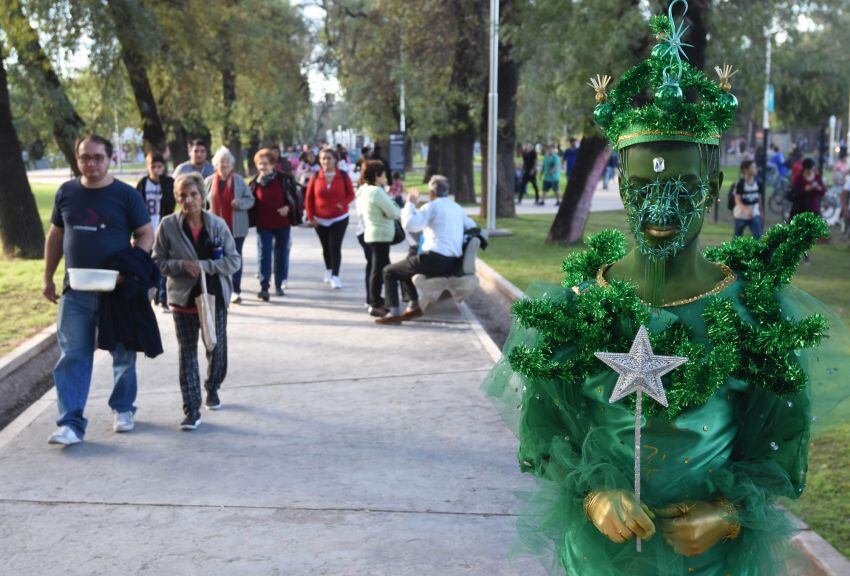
[(493, 117), (766, 122)]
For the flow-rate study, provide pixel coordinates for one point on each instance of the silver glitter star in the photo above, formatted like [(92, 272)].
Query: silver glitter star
[(640, 370)]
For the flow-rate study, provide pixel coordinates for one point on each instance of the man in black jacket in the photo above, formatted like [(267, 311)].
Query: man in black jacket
[(157, 190)]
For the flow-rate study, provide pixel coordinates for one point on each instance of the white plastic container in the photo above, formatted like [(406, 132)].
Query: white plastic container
[(93, 280)]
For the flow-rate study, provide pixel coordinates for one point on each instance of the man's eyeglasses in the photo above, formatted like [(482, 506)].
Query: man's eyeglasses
[(87, 159)]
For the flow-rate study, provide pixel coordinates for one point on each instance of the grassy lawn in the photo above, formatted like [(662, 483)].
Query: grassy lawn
[(825, 506), (25, 311)]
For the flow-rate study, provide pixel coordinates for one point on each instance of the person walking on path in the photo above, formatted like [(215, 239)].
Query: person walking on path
[(807, 189), (198, 154), (94, 217), (529, 173), (551, 176), (746, 211), (610, 170), (190, 243), (276, 212), (229, 198), (157, 191), (571, 156), (442, 222), (379, 216), (329, 194)]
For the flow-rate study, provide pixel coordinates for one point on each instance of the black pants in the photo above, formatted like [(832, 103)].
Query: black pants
[(427, 263), (380, 260), (188, 328), (367, 252), (331, 238), (529, 177)]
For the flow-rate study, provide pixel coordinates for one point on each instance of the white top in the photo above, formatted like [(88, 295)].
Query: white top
[(750, 198), (153, 198), (442, 222)]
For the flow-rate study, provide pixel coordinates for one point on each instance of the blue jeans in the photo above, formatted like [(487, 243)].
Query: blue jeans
[(237, 276), (754, 224), (273, 242), (161, 295), (75, 331)]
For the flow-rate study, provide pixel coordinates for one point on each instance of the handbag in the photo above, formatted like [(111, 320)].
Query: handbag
[(399, 235), (205, 303)]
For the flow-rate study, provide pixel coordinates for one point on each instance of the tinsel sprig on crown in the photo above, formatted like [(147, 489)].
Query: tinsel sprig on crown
[(669, 116), (759, 350)]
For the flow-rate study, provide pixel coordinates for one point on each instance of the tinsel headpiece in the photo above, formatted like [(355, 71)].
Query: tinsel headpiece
[(669, 116)]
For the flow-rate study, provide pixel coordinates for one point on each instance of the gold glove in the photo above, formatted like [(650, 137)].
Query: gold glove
[(691, 528), (619, 515)]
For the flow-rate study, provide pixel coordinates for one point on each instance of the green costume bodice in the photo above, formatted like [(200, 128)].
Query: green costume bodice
[(743, 444)]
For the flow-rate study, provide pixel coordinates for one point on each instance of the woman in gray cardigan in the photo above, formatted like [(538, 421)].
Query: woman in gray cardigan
[(228, 196), (188, 244)]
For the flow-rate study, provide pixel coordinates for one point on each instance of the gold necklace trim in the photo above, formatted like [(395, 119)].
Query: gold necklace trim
[(719, 287)]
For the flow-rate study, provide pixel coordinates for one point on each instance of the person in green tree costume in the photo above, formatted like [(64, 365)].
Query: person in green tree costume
[(736, 430)]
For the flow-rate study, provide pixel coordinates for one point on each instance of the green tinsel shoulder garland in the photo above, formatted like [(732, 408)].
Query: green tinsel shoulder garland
[(572, 328)]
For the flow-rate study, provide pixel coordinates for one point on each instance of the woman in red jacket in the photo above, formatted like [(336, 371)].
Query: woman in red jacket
[(275, 213), (326, 203)]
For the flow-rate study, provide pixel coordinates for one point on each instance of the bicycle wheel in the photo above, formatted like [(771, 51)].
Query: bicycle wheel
[(776, 203), (828, 208)]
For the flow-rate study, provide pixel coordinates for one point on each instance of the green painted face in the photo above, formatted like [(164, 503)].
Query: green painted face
[(666, 188)]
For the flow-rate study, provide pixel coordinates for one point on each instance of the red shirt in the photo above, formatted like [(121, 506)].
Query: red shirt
[(222, 200), (270, 198), (323, 201)]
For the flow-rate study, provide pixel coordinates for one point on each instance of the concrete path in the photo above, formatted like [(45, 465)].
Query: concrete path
[(343, 448)]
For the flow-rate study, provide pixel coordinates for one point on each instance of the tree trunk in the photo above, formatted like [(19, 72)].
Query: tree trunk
[(67, 124), (253, 146), (698, 16), (124, 14), (462, 175), (436, 153), (178, 142), (505, 171), (568, 227), (232, 134), (20, 226)]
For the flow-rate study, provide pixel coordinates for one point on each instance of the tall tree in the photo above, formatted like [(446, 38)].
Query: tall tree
[(133, 27), (231, 133), (20, 226), (600, 52), (67, 124)]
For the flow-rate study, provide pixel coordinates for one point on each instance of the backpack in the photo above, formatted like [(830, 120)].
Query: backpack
[(730, 196)]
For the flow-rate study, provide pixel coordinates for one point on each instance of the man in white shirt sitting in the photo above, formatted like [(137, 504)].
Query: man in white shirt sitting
[(442, 222)]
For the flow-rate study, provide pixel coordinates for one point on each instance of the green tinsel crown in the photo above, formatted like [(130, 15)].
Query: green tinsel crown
[(669, 116)]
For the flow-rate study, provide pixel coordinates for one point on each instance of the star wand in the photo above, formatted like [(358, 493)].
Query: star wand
[(640, 371)]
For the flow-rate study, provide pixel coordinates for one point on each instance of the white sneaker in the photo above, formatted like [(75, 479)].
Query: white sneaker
[(236, 298), (64, 436), (328, 276), (123, 422), (336, 283), (285, 285)]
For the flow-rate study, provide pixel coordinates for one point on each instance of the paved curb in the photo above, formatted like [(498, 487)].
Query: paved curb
[(24, 374), (825, 559)]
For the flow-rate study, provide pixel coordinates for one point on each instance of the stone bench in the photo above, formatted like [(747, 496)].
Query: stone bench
[(460, 287)]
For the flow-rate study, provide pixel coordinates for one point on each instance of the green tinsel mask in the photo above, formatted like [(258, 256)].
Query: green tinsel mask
[(666, 188)]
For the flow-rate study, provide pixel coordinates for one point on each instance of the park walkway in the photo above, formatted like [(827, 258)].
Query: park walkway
[(343, 448)]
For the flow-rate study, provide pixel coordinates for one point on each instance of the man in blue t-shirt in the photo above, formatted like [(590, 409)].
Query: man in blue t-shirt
[(570, 156), (94, 217)]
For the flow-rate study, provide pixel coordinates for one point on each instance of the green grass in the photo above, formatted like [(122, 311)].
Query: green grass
[(25, 311), (825, 505)]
